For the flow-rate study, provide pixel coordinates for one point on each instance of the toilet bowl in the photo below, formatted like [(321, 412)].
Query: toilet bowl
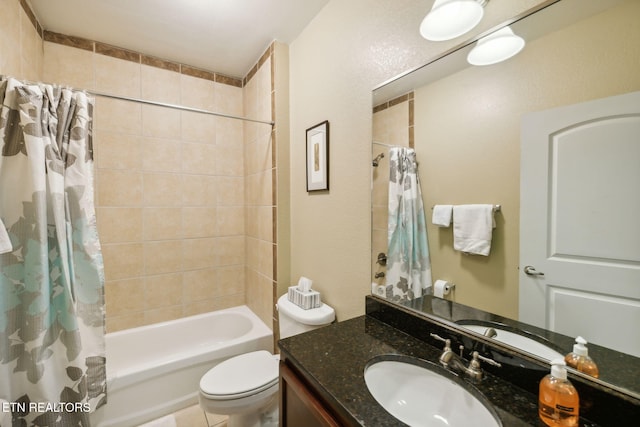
[(245, 387)]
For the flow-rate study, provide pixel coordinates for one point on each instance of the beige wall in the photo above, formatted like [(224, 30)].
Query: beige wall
[(347, 50), (20, 42), (468, 138)]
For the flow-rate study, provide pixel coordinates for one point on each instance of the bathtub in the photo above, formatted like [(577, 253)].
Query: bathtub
[(155, 370)]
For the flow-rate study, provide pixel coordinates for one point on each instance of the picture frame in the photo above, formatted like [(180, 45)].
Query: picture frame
[(318, 157)]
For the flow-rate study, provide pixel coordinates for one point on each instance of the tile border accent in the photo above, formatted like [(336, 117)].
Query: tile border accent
[(395, 101), (409, 98), (129, 55), (32, 17)]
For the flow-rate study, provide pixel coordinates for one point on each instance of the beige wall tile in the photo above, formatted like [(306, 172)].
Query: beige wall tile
[(198, 127), (199, 222), (230, 221), (123, 261), (200, 158), (230, 191), (10, 38), (162, 257), (119, 225), (233, 163), (265, 258), (161, 122), (162, 223), (119, 323), (252, 253), (163, 314), (117, 76), (162, 189), (160, 85), (251, 221), (161, 155), (197, 93), (123, 116), (163, 290), (69, 66), (119, 187), (116, 150), (199, 307), (230, 280), (228, 99), (229, 132), (229, 251), (199, 253), (125, 296), (30, 49), (200, 190), (199, 284), (264, 222)]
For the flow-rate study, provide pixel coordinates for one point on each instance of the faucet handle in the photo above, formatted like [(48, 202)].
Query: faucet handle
[(447, 342), (477, 356)]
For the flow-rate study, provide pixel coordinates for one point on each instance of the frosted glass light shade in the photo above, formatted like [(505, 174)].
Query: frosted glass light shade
[(449, 19), (496, 47)]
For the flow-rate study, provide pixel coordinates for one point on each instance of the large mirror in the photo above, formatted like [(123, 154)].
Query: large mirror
[(470, 126)]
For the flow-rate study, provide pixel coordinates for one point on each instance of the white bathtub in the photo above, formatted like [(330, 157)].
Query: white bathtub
[(155, 370)]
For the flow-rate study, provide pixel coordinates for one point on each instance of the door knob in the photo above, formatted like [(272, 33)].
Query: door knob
[(530, 271)]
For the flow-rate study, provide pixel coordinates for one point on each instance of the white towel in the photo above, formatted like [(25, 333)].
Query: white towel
[(442, 215), (5, 241), (473, 228)]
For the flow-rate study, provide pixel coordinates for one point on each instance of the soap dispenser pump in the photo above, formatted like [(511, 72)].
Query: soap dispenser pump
[(579, 359), (558, 402)]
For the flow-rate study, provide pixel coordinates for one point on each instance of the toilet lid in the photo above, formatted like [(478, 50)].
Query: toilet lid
[(240, 376)]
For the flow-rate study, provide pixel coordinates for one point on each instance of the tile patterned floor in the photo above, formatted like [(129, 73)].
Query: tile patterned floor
[(192, 416)]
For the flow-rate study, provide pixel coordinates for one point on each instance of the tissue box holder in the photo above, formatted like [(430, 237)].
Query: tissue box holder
[(304, 300)]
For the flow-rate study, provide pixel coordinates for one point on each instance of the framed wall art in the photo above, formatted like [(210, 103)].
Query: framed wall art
[(318, 157)]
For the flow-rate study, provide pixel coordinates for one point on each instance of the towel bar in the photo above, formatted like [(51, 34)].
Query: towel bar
[(496, 208)]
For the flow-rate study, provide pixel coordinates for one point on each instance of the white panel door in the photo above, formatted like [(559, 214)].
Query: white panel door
[(580, 221)]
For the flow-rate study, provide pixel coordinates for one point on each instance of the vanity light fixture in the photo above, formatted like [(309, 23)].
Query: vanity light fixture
[(496, 47), (449, 19)]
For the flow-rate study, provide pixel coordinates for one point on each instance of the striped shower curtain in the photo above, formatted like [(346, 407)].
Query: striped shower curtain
[(408, 273), (52, 350)]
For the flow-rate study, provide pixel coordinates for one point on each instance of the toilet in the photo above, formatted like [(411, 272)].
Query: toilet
[(245, 387)]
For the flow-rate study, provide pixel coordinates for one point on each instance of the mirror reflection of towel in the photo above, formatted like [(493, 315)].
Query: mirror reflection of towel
[(5, 241), (473, 228)]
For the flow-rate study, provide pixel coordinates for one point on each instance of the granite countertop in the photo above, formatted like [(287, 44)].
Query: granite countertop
[(333, 360)]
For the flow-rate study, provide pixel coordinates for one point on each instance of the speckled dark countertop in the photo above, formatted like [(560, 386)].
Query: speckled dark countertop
[(333, 359)]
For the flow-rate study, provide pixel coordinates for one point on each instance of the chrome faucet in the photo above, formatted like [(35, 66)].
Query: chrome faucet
[(450, 360)]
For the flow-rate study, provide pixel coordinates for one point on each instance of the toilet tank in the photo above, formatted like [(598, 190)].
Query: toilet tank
[(294, 320)]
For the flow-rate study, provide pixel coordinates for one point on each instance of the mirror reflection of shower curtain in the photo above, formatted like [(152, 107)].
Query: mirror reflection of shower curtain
[(408, 264), (52, 348)]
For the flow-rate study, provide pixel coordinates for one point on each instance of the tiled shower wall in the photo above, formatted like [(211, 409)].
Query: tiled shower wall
[(20, 41), (260, 197), (186, 202), (392, 126)]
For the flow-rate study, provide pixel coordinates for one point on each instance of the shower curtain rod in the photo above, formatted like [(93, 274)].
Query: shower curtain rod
[(154, 103), (178, 107)]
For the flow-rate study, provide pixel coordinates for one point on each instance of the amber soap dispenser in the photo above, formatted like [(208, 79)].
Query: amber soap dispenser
[(558, 401), (579, 359)]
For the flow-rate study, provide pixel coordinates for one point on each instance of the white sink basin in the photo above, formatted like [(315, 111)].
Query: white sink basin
[(516, 340), (425, 396)]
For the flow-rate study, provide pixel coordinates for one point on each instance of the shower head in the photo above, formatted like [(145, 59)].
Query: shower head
[(377, 159)]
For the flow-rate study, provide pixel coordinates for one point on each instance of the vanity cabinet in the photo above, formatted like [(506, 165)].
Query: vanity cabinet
[(299, 405)]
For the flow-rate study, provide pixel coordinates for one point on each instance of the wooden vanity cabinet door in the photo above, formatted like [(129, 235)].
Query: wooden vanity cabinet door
[(298, 405)]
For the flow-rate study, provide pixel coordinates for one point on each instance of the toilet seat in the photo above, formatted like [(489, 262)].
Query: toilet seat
[(241, 376)]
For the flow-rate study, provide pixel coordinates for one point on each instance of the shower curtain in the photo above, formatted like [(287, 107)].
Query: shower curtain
[(52, 350), (408, 265)]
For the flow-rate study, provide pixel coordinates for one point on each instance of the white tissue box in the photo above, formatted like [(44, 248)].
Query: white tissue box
[(305, 300)]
